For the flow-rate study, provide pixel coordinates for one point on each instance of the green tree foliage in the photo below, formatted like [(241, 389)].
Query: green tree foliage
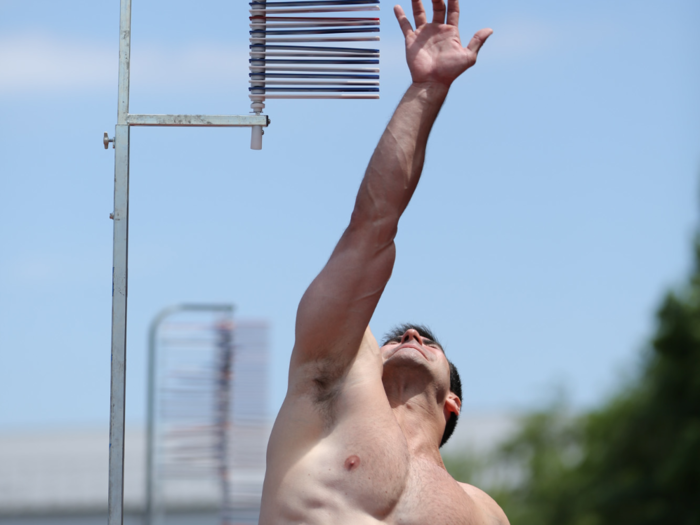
[(633, 461)]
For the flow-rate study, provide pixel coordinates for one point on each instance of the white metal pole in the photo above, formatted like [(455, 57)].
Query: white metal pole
[(119, 277)]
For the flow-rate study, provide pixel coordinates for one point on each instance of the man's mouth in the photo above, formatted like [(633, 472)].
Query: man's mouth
[(409, 345)]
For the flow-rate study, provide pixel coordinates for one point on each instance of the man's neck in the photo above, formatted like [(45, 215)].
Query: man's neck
[(420, 417)]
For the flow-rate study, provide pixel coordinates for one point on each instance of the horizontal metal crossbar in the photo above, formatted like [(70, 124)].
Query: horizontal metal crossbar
[(198, 120)]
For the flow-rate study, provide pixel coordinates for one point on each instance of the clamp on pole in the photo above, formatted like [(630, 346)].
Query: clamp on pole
[(106, 140)]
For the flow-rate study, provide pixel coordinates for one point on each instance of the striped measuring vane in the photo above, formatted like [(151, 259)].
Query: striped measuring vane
[(313, 49)]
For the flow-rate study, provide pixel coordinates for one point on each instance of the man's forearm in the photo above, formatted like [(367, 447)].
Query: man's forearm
[(396, 165)]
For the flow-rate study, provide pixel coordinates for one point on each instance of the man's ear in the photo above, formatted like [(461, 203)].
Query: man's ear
[(453, 405)]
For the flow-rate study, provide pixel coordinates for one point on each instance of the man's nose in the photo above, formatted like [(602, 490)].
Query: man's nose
[(412, 333)]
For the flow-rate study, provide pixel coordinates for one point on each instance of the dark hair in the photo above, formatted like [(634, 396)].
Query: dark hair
[(455, 382)]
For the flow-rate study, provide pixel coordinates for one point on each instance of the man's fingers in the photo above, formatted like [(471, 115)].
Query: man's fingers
[(419, 13), (439, 11), (478, 39), (406, 28), (453, 13)]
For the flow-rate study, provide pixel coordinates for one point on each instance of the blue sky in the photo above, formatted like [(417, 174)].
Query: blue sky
[(557, 205)]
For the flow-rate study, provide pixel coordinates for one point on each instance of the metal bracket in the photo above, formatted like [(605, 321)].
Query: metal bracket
[(218, 121)]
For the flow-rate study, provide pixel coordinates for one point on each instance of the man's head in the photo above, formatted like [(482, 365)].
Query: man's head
[(430, 352)]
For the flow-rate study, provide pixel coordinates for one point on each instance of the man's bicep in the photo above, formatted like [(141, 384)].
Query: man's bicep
[(339, 303)]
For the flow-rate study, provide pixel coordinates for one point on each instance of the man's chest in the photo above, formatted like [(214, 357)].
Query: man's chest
[(375, 475)]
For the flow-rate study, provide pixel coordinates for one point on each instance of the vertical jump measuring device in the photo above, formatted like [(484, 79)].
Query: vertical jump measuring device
[(315, 55), (281, 68)]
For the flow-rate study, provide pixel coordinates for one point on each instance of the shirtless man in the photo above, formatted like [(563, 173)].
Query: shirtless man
[(357, 438)]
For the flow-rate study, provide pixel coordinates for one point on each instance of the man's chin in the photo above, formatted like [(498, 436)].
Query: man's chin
[(409, 357), (407, 351)]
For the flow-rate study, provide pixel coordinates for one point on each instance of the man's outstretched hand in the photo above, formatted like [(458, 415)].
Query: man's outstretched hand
[(434, 50)]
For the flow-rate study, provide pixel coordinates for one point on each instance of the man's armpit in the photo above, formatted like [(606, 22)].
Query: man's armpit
[(326, 389), (319, 383)]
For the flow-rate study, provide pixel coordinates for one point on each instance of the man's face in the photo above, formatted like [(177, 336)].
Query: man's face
[(413, 350)]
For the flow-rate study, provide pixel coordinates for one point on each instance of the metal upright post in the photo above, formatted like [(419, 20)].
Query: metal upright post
[(119, 276)]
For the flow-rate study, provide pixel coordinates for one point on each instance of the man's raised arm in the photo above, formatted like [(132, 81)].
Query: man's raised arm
[(339, 303)]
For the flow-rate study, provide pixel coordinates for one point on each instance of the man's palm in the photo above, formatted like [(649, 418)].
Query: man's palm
[(434, 50)]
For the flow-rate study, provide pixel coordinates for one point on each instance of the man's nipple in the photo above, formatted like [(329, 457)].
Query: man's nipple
[(352, 462)]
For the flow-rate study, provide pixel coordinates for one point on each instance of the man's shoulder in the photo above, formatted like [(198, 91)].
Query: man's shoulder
[(492, 512)]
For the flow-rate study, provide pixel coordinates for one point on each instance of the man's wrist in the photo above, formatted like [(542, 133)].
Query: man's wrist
[(433, 90)]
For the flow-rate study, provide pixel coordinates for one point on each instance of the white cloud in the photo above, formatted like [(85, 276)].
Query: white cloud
[(530, 38), (520, 39), (35, 62), (194, 64), (43, 63)]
